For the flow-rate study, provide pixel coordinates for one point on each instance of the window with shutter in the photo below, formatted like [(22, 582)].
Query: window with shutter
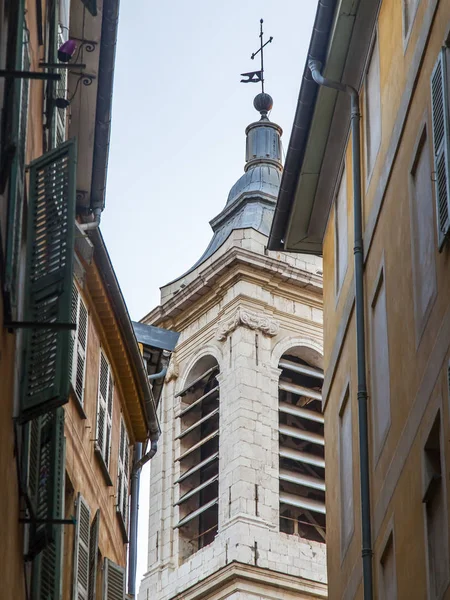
[(114, 581), (49, 276), (93, 555), (123, 476), (79, 315), (17, 179), (440, 119), (104, 409), (81, 551), (46, 536)]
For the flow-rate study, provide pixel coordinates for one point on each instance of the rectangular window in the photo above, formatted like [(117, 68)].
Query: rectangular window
[(422, 239), (381, 401), (409, 12), (346, 471), (79, 344), (341, 233), (104, 409), (388, 575), (373, 108), (435, 513), (441, 150), (123, 475)]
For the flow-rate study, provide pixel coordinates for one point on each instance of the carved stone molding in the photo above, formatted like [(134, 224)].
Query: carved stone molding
[(173, 370), (251, 320)]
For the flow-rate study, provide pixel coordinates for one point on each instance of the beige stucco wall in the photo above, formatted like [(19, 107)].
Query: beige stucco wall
[(418, 382)]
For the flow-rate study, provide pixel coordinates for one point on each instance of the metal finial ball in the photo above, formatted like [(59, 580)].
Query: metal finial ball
[(263, 103)]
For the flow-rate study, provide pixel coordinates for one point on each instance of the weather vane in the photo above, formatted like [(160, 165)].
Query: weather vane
[(256, 76)]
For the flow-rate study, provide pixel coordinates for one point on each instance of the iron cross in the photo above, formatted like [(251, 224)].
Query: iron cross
[(256, 76)]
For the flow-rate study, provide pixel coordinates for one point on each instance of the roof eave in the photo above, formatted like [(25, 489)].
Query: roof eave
[(330, 42)]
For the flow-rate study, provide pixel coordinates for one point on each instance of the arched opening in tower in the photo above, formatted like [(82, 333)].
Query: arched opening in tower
[(301, 445), (198, 455)]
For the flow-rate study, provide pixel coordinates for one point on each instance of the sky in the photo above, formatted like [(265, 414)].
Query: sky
[(178, 134)]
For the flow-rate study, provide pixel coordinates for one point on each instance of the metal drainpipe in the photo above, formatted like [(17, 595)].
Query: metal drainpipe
[(315, 66), (95, 224), (134, 509)]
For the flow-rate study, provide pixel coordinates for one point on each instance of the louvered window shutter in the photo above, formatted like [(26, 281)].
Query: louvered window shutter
[(113, 581), (104, 409), (441, 151), (93, 555), (46, 539), (78, 344), (123, 474), (81, 553), (49, 274)]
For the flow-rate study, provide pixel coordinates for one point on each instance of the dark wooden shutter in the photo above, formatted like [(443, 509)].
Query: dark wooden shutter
[(93, 555), (50, 251), (81, 552), (45, 478), (440, 119), (46, 539), (114, 581)]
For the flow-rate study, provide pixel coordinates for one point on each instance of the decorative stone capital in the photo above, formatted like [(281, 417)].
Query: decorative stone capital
[(251, 320), (174, 370)]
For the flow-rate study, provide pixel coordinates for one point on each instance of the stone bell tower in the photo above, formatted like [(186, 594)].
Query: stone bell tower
[(237, 493)]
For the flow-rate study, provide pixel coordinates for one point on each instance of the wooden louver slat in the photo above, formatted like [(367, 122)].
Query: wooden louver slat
[(49, 272)]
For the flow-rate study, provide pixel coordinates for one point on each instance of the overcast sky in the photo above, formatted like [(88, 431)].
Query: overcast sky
[(178, 141)]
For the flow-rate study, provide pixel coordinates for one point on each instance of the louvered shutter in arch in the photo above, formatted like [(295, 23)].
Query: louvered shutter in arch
[(82, 549), (49, 275), (441, 151), (113, 581), (93, 555)]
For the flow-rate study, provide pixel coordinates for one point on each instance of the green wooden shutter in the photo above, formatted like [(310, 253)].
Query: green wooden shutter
[(91, 5), (46, 478), (81, 552), (47, 539), (441, 132), (113, 581), (50, 252), (93, 555)]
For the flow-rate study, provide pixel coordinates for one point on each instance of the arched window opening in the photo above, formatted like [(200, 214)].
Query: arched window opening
[(198, 484), (301, 445)]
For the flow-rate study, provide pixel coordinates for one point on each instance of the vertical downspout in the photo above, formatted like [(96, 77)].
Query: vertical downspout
[(360, 326), (134, 508)]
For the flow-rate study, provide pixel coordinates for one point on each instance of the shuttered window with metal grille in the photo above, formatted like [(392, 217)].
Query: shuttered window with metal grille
[(301, 451), (49, 276), (198, 456), (113, 581), (123, 477), (81, 551), (441, 140), (45, 502), (104, 409), (79, 344)]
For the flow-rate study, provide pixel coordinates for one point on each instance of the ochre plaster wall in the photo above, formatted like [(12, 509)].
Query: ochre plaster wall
[(418, 367)]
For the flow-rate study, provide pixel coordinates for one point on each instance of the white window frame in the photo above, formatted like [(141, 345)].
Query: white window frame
[(371, 160), (340, 277), (123, 473), (345, 403), (408, 23), (106, 404), (380, 281), (78, 351)]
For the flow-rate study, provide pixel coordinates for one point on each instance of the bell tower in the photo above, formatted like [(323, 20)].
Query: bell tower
[(237, 492)]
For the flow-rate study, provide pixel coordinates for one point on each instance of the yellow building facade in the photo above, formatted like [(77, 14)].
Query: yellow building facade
[(394, 53)]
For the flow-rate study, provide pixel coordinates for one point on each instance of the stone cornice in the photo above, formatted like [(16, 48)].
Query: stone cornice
[(236, 576), (279, 272), (249, 319)]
